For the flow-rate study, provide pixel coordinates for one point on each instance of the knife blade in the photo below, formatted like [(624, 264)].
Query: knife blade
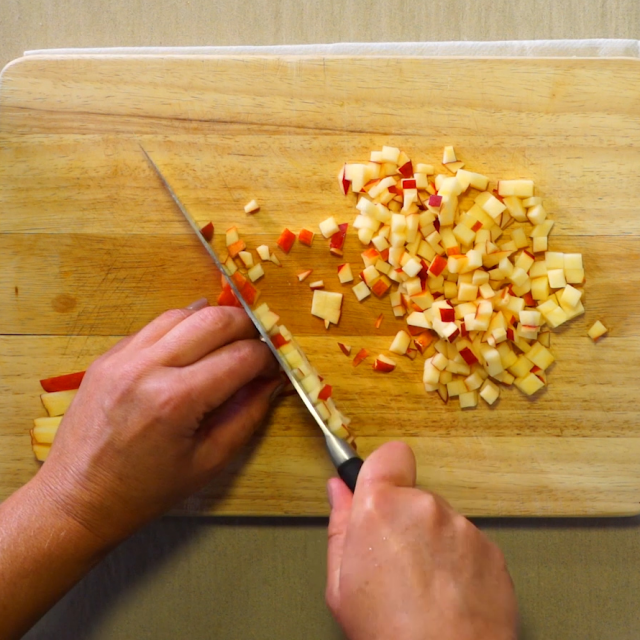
[(343, 456)]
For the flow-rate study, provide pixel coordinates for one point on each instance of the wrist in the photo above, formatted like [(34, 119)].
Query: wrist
[(60, 506)]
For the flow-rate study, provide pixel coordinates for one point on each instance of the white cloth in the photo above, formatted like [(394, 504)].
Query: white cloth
[(510, 48)]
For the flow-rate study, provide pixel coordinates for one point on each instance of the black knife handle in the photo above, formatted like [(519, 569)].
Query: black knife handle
[(349, 471)]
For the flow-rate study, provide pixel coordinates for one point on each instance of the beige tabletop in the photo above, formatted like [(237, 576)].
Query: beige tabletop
[(264, 579)]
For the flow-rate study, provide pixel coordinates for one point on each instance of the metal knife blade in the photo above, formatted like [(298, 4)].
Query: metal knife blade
[(342, 454)]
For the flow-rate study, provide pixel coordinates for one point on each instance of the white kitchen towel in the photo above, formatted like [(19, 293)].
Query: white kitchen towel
[(510, 48)]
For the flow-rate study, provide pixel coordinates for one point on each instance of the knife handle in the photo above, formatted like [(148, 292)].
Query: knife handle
[(349, 471)]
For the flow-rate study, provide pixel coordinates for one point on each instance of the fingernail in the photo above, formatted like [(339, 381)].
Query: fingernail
[(276, 392), (198, 304)]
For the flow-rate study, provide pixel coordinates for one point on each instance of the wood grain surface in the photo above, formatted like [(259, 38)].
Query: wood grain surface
[(91, 248)]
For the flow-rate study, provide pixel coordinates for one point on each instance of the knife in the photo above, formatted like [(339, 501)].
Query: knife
[(343, 456)]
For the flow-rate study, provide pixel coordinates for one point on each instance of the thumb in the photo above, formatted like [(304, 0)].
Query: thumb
[(340, 499), (393, 464)]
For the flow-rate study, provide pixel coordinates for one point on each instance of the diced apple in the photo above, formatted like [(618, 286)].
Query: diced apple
[(361, 291), (305, 237), (251, 207), (66, 382), (263, 252), (256, 272), (286, 240), (304, 275), (597, 331), (519, 188)]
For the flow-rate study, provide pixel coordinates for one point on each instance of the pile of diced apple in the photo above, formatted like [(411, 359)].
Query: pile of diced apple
[(467, 266)]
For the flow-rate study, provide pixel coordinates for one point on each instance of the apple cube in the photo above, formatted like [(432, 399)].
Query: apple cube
[(361, 291), (515, 208), (493, 206), (251, 207), (554, 260), (449, 155), (529, 384), (328, 227), (344, 273), (383, 364), (540, 244), (489, 392), (520, 188), (570, 296), (574, 276), (521, 367), (468, 400), (556, 278), (540, 356), (327, 305), (263, 252), (317, 284), (456, 388), (597, 331), (400, 343), (256, 272), (232, 236), (537, 215)]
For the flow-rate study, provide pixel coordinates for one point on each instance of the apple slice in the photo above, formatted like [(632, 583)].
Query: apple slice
[(304, 275), (383, 364), (44, 430), (361, 291), (67, 382), (236, 248), (57, 402), (232, 236), (318, 284)]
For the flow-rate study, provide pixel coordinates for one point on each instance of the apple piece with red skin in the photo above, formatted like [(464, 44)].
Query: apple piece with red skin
[(235, 248), (343, 182), (406, 170), (344, 273), (379, 320), (67, 382), (337, 239), (207, 231), (325, 392), (437, 265), (286, 240), (346, 349), (468, 356), (360, 356), (408, 184), (227, 298), (435, 202), (411, 353), (383, 364), (318, 284), (279, 340), (380, 286), (447, 314), (423, 340), (304, 275), (305, 237)]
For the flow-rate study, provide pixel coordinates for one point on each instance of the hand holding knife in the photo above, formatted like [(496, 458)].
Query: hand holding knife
[(343, 456)]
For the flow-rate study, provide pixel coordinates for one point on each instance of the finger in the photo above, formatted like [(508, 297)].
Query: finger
[(204, 332), (393, 463), (231, 426), (340, 499), (160, 326), (216, 377)]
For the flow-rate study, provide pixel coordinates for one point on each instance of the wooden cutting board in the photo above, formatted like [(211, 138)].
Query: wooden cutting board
[(92, 248)]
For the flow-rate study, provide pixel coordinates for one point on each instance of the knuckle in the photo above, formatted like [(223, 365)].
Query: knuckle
[(218, 318), (427, 506)]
